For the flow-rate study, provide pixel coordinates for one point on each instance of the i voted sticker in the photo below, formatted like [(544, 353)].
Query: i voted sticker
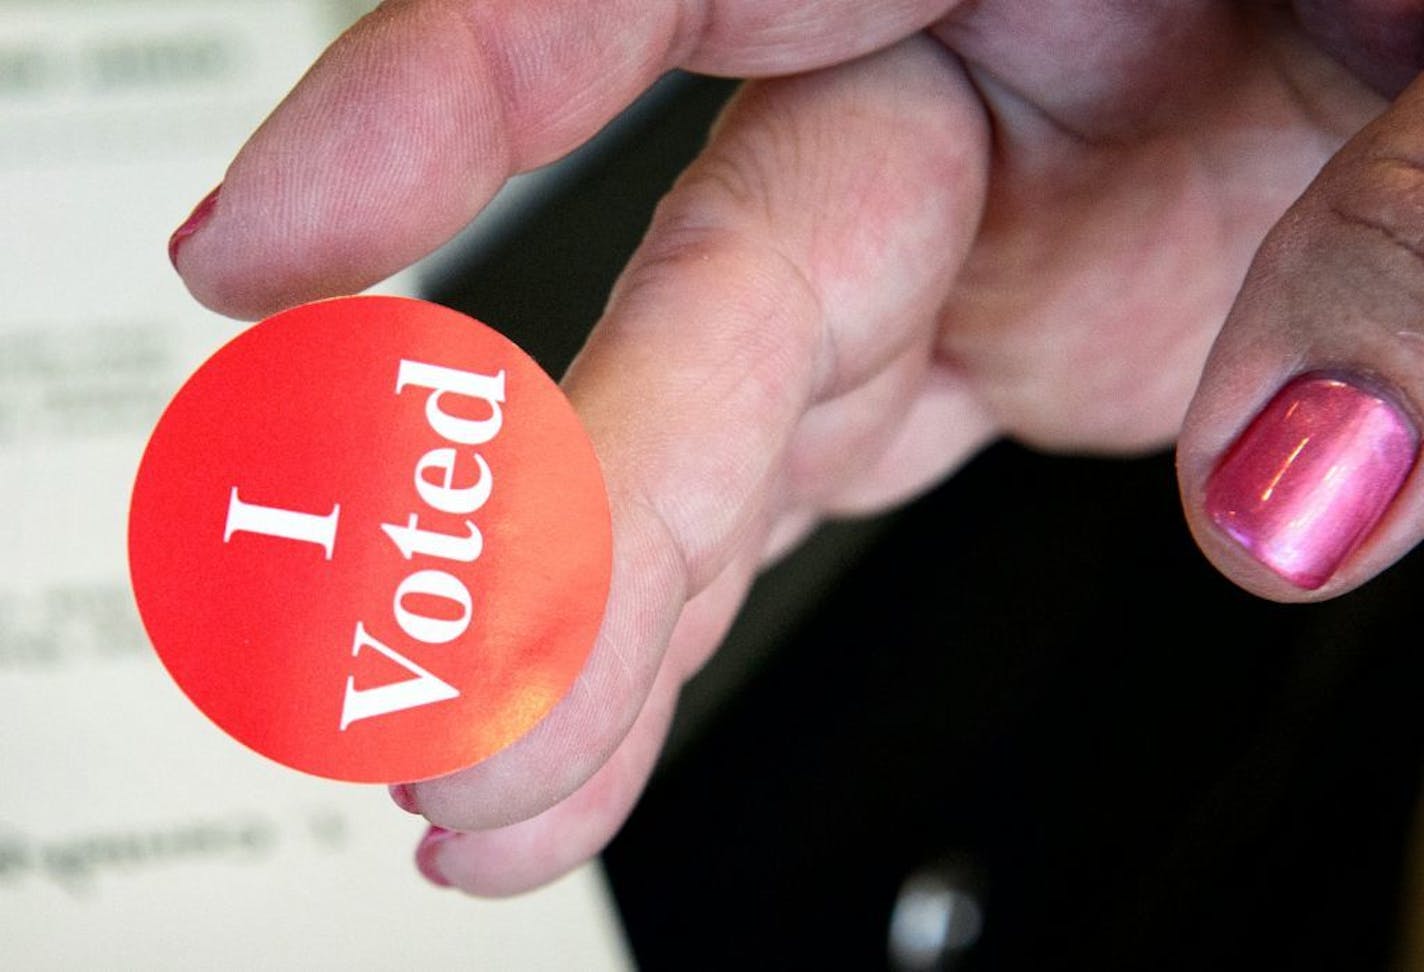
[(369, 538)]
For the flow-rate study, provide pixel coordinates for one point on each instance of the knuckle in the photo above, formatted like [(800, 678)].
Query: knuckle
[(1385, 197)]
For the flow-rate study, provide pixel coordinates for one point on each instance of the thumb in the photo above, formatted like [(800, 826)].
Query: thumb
[(1298, 457)]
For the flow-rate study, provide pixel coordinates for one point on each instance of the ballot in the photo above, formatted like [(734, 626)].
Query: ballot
[(133, 832)]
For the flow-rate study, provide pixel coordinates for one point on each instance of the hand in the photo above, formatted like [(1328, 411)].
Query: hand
[(927, 227)]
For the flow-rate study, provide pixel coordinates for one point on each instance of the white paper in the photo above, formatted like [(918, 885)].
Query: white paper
[(133, 834)]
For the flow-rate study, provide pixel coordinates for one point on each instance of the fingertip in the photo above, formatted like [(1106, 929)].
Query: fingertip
[(200, 215), (1309, 480), (1299, 457), (403, 796), (201, 252), (387, 147), (430, 854)]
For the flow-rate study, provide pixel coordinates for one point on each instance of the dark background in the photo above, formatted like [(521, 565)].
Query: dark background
[(1029, 681)]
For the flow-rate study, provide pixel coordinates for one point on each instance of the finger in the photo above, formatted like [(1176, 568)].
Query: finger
[(1320, 491), (413, 118), (907, 428), (943, 424), (808, 248), (1134, 65), (519, 856)]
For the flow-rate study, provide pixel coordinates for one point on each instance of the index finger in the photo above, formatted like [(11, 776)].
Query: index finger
[(413, 118)]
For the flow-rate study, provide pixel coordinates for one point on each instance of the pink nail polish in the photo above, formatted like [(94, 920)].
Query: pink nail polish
[(192, 224), (427, 851), (404, 796), (1311, 476)]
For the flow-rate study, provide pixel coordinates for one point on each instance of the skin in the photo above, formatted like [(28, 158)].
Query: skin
[(926, 226)]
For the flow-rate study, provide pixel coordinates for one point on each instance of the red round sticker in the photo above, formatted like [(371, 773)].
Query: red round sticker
[(369, 538)]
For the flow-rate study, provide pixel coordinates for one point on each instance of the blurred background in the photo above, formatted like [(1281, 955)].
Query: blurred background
[(134, 834), (1018, 724)]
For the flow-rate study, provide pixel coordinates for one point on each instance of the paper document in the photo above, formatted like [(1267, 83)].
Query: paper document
[(133, 834)]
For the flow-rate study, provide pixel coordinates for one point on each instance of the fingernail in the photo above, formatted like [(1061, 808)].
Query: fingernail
[(192, 224), (404, 796), (428, 852), (1311, 476)]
